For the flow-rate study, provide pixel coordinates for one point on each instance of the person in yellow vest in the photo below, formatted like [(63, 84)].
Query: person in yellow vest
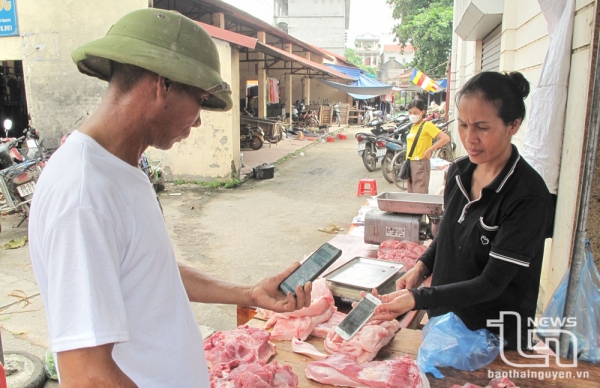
[(419, 159)]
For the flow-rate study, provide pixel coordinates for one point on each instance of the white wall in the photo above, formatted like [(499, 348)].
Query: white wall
[(524, 43), (320, 23)]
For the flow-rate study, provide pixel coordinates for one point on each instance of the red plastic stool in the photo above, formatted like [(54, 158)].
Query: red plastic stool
[(330, 139), (342, 136), (372, 189)]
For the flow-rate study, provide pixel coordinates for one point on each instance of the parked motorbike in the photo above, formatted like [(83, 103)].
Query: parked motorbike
[(17, 184), (253, 137), (396, 145), (9, 154), (368, 150), (445, 152), (373, 152)]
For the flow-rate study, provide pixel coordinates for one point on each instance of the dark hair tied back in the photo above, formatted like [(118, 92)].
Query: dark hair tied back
[(522, 83), (505, 91)]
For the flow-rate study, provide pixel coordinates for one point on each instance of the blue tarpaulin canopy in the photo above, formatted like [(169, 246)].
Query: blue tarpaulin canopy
[(363, 88)]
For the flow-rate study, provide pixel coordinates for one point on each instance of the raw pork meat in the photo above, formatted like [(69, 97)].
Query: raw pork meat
[(365, 344), (253, 375), (307, 349), (322, 329), (342, 370), (301, 323), (244, 344), (406, 252)]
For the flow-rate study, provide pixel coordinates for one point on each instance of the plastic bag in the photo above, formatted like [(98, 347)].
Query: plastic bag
[(586, 325), (448, 342), (50, 366)]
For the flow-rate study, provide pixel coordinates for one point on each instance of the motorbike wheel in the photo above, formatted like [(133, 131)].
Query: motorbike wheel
[(313, 123), (397, 163), (386, 164), (256, 143), (368, 157), (444, 153), (27, 370)]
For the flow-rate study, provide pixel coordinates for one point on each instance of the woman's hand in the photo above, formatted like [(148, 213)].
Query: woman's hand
[(427, 154), (414, 277), (393, 305)]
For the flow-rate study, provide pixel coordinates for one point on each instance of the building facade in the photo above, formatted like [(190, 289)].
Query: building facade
[(403, 55), (322, 23), (368, 47)]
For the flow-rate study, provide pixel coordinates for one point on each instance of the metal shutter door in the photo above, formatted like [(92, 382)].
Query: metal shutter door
[(490, 56)]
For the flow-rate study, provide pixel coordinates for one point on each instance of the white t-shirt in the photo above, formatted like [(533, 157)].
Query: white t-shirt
[(106, 268)]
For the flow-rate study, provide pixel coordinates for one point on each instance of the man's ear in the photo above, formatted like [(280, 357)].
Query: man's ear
[(163, 85)]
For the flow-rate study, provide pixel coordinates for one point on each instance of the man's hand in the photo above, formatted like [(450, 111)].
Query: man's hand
[(91, 367), (266, 293), (413, 278)]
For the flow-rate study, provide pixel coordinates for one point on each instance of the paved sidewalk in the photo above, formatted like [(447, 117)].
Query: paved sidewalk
[(270, 153)]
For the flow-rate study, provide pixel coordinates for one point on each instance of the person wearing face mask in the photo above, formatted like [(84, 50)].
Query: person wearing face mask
[(487, 256), (424, 132)]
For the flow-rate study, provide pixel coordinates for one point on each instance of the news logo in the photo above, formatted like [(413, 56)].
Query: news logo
[(551, 335)]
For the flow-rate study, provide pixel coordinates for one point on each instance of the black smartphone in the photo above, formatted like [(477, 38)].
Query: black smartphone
[(311, 268)]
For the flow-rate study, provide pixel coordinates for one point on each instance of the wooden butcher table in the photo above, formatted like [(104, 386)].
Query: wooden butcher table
[(407, 341)]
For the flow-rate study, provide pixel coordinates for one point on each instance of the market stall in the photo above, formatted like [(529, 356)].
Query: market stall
[(525, 369)]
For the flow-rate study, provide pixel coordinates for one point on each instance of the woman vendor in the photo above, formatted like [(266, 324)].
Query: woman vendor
[(487, 255), (420, 165)]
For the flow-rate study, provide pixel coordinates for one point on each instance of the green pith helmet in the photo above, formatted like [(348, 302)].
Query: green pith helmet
[(164, 42)]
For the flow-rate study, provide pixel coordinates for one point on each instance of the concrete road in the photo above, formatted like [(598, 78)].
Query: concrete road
[(240, 235)]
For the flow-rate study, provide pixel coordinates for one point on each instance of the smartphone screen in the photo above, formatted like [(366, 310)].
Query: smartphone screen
[(311, 268), (357, 317)]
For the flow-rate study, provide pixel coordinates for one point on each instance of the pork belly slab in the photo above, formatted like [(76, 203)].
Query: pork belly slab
[(365, 344), (245, 344), (342, 370), (323, 328), (253, 375), (301, 323)]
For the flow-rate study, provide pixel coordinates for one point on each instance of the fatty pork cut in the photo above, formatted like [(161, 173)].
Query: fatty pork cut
[(253, 375), (307, 349), (343, 370), (406, 252), (301, 323), (244, 344), (365, 344), (323, 328)]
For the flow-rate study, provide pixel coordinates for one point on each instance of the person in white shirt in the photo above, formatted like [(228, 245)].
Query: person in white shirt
[(116, 300)]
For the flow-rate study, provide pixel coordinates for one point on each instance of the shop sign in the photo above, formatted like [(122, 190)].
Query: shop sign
[(8, 18)]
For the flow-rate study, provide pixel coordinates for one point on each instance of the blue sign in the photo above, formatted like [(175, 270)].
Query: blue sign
[(8, 18)]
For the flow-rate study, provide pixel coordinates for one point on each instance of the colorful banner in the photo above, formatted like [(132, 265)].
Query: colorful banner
[(8, 18), (421, 79)]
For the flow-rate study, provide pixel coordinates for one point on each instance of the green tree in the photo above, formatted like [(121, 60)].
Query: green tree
[(357, 60), (427, 25)]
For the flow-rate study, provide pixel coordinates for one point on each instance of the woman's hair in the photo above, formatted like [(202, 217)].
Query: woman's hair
[(419, 104), (505, 91)]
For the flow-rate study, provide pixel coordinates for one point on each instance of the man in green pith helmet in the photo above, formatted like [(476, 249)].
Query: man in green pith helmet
[(116, 300)]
